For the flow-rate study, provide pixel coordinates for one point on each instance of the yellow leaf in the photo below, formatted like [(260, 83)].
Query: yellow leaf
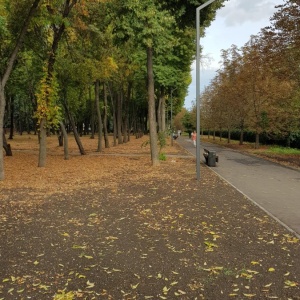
[(271, 270), (65, 234), (268, 285), (249, 295), (290, 283), (134, 286), (90, 284)]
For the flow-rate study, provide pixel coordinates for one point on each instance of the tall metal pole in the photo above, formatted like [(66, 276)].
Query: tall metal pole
[(198, 85)]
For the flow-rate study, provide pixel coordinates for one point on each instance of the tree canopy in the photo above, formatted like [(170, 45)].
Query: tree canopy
[(53, 54)]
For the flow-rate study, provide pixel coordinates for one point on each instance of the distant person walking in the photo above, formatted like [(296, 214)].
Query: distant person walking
[(194, 137)]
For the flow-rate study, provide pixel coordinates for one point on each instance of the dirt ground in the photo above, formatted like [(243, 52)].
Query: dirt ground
[(110, 226)]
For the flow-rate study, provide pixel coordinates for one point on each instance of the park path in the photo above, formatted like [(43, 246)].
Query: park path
[(275, 188)]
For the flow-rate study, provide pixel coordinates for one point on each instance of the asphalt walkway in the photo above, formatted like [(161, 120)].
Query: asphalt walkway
[(274, 188)]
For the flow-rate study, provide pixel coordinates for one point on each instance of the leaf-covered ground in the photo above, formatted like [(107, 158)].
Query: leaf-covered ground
[(109, 226)]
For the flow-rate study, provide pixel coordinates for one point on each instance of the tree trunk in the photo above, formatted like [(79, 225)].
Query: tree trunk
[(113, 108), (12, 110), (97, 99), (105, 117), (126, 114), (42, 144), (6, 73), (242, 136), (2, 108), (256, 140), (119, 117), (159, 116), (66, 141), (92, 113), (151, 108), (6, 146), (75, 132), (229, 136), (57, 35)]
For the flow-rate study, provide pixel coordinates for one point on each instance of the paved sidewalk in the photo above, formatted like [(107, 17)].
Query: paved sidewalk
[(275, 188)]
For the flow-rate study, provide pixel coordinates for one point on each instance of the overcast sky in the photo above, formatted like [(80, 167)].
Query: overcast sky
[(234, 24)]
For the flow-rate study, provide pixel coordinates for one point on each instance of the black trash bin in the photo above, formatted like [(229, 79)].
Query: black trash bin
[(211, 158)]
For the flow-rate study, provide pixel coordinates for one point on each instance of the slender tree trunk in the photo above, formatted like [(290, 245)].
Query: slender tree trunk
[(12, 110), (57, 35), (126, 114), (2, 108), (229, 136), (159, 116), (100, 128), (92, 102), (42, 144), (6, 146), (256, 140), (113, 108), (163, 111), (151, 108), (119, 117), (242, 136), (75, 132), (66, 141), (6, 74), (105, 117)]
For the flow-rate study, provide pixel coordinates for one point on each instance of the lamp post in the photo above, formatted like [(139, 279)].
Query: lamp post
[(171, 121), (198, 85)]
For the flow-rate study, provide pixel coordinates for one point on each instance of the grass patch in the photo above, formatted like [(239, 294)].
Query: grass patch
[(283, 150)]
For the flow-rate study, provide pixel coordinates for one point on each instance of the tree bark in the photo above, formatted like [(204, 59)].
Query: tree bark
[(12, 110), (6, 146), (57, 35), (6, 74), (163, 111), (119, 117), (92, 113), (113, 108), (75, 132), (42, 144), (256, 140), (100, 128), (151, 108), (66, 141), (106, 140), (126, 114)]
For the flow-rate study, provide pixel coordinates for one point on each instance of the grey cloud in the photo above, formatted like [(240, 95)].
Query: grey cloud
[(237, 12)]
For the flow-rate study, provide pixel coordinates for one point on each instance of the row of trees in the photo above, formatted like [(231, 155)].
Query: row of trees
[(258, 86), (95, 62)]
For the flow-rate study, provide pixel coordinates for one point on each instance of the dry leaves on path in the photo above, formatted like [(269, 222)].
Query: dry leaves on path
[(113, 227)]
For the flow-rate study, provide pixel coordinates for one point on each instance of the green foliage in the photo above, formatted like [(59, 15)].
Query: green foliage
[(284, 150), (161, 140), (187, 121), (47, 98), (162, 156)]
